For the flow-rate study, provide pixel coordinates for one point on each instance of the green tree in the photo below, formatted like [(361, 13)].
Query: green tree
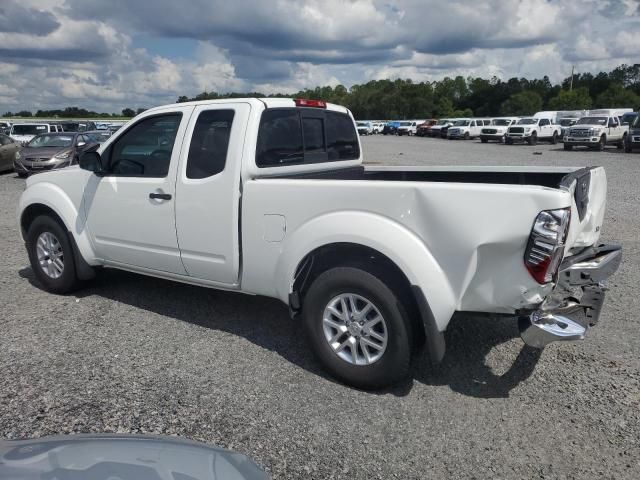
[(523, 103), (24, 113), (616, 96), (128, 112), (577, 99)]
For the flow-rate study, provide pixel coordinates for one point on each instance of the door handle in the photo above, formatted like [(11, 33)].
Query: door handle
[(160, 196)]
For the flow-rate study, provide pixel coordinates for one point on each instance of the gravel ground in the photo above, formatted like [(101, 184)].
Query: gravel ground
[(136, 354)]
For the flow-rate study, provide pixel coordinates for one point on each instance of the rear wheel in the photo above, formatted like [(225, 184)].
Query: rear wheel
[(51, 255), (358, 328)]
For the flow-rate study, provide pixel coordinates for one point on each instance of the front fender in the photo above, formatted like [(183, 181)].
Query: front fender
[(380, 233), (68, 209)]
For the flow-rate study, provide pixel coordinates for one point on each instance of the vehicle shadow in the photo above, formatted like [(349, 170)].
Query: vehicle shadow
[(265, 322)]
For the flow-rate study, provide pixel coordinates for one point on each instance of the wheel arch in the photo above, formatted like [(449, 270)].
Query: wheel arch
[(362, 237), (48, 199)]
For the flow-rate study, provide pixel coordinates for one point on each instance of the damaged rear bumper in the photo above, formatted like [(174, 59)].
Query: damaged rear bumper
[(577, 300)]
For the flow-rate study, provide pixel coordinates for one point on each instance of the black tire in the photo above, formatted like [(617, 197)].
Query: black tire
[(68, 280), (466, 136), (508, 141), (568, 147), (620, 145), (554, 138), (627, 147), (602, 143), (22, 174), (393, 365), (533, 139), (484, 140)]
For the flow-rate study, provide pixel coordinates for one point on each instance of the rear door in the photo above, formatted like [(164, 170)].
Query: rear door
[(208, 192)]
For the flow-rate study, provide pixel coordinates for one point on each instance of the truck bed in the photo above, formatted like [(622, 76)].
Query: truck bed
[(544, 177)]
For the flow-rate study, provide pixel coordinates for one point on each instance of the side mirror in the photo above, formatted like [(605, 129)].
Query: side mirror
[(81, 144), (91, 161)]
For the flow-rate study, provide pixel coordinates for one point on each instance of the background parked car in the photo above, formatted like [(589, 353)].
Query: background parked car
[(78, 126), (364, 128), (24, 132), (633, 137), (497, 130), (434, 131), (98, 136), (8, 149), (49, 151), (566, 124), (424, 127), (391, 128), (5, 127), (407, 127)]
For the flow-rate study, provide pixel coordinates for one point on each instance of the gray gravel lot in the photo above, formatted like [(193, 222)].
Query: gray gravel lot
[(136, 354)]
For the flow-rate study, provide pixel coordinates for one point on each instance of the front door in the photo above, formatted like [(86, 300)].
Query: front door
[(130, 210), (208, 192)]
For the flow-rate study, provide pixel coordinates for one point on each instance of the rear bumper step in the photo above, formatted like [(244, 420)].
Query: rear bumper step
[(563, 317)]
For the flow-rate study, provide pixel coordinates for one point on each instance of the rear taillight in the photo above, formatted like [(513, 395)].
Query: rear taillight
[(546, 244), (302, 102)]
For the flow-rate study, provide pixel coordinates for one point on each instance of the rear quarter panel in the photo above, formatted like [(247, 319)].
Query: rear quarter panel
[(463, 244)]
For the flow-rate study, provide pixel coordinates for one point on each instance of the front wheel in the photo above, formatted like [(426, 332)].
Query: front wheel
[(533, 139), (620, 145), (602, 143), (508, 141), (627, 147), (484, 140), (554, 138), (51, 255), (568, 147), (466, 135), (358, 328)]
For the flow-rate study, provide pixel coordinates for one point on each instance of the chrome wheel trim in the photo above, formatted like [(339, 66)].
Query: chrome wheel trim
[(50, 255), (355, 329)]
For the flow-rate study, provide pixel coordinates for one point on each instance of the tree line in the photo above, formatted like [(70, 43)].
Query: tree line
[(449, 97), (461, 97)]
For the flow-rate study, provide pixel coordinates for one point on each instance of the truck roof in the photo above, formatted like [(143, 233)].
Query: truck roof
[(258, 102)]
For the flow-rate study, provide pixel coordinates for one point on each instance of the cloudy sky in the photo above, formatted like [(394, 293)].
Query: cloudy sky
[(110, 54)]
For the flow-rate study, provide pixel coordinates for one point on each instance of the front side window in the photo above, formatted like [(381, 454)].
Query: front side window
[(209, 143), (544, 122), (51, 140), (145, 148)]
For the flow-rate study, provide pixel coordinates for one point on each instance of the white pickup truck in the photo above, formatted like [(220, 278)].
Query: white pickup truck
[(533, 129), (270, 197), (596, 131)]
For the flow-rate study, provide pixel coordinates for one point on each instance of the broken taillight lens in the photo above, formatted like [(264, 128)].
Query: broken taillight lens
[(546, 244)]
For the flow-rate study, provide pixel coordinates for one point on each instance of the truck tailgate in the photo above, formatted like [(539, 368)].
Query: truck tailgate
[(588, 188)]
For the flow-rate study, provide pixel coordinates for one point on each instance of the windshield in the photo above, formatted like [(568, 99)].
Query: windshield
[(74, 127), (405, 124), (362, 124), (51, 141), (28, 129), (528, 121), (98, 136), (628, 118), (501, 122), (442, 122), (567, 122), (462, 123), (592, 121)]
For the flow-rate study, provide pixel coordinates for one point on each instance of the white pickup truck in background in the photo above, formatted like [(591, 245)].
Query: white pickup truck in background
[(597, 130), (533, 129), (270, 197)]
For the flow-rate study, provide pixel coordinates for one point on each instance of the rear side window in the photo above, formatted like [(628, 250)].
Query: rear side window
[(305, 135), (209, 143)]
